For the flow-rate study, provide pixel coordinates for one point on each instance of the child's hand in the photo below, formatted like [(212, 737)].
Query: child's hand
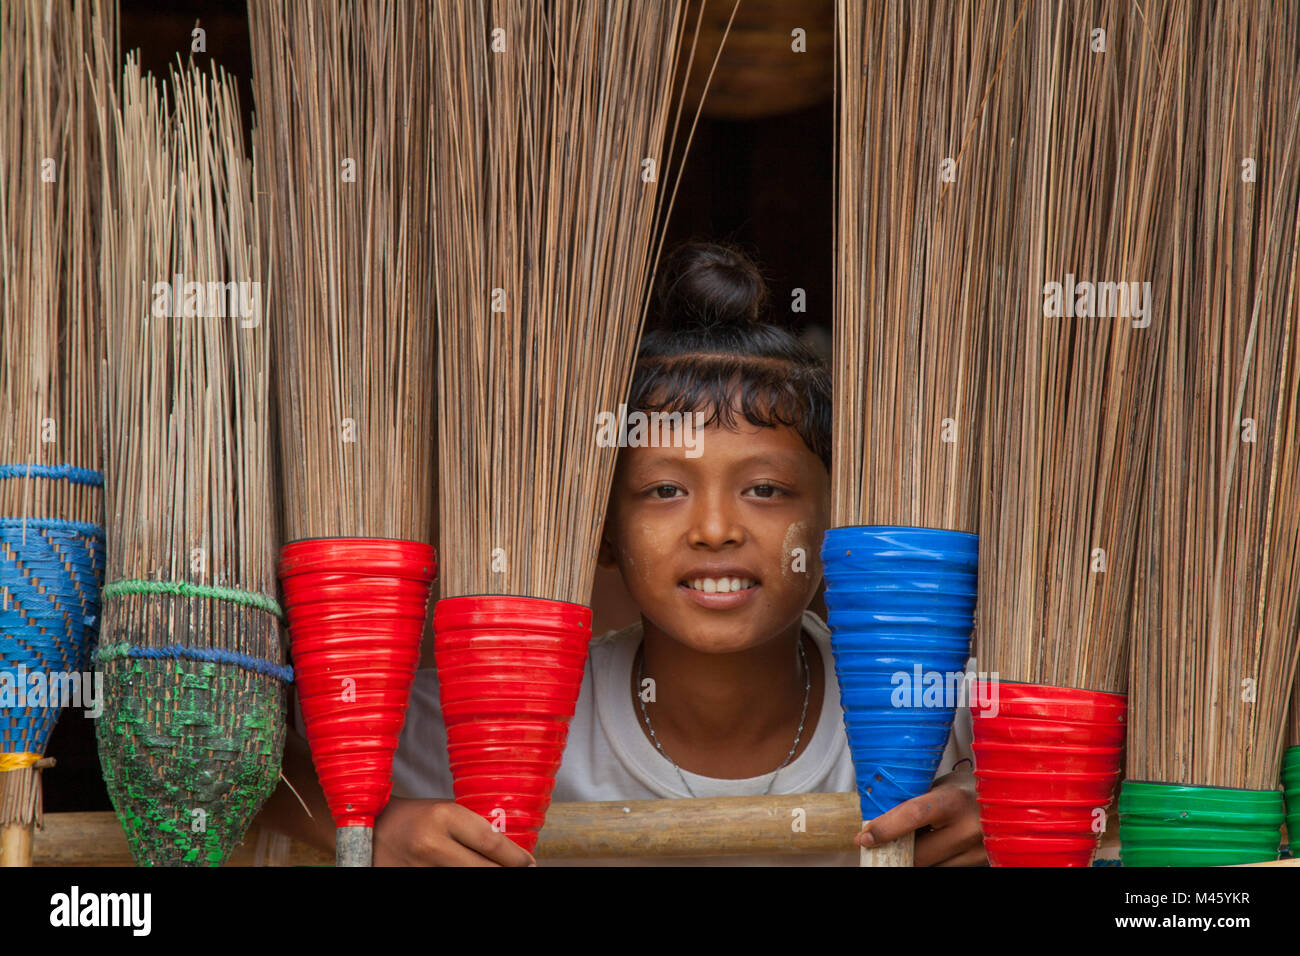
[(441, 833), (951, 813)]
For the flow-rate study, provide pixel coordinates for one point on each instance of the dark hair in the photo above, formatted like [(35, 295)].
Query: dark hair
[(710, 346)]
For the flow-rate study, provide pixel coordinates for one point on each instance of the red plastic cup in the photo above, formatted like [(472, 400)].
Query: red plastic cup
[(1045, 765), (356, 609), (509, 672)]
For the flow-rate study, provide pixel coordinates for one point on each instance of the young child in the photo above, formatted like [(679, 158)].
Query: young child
[(744, 699), (727, 686)]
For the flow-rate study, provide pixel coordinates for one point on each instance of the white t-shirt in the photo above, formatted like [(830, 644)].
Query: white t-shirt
[(609, 757)]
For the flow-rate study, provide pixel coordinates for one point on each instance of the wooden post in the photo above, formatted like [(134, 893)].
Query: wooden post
[(23, 793), (353, 846), (896, 853), (573, 831), (16, 844), (713, 826)]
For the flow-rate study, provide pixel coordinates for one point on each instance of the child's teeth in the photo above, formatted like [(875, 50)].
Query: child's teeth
[(720, 585)]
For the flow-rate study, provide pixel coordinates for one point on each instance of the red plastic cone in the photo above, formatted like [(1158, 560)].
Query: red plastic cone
[(356, 609), (509, 673), (1046, 765)]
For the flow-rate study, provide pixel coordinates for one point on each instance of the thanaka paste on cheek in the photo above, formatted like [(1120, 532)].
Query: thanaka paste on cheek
[(795, 538)]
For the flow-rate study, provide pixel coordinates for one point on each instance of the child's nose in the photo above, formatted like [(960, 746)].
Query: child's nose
[(715, 525)]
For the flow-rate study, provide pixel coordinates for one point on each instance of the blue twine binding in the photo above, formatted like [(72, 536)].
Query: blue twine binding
[(78, 476), (209, 655), (83, 528)]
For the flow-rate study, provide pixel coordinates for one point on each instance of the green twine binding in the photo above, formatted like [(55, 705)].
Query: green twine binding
[(186, 589)]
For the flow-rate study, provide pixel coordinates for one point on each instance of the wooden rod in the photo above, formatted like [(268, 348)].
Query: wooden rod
[(16, 844), (895, 853), (716, 826), (24, 786), (719, 826), (573, 831)]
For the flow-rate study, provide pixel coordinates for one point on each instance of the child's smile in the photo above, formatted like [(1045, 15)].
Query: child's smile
[(720, 587)]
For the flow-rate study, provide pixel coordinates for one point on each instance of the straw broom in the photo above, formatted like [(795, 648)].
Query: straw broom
[(51, 337), (550, 169), (193, 722), (1068, 410), (343, 86), (922, 228), (1073, 354), (346, 171), (1215, 621)]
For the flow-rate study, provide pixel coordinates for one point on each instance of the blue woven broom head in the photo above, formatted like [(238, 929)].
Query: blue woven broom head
[(50, 572)]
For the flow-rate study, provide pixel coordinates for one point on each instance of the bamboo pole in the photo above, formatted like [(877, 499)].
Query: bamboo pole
[(16, 844), (898, 852), (715, 826), (16, 837), (573, 831), (721, 826)]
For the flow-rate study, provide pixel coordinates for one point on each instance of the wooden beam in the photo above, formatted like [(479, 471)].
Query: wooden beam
[(16, 844), (658, 828), (716, 826), (719, 826), (96, 839)]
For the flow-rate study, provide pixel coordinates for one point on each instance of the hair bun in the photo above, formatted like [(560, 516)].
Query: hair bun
[(707, 284)]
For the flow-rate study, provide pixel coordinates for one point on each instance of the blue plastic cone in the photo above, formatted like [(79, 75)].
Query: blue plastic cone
[(901, 605)]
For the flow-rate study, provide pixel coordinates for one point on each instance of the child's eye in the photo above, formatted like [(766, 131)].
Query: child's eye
[(766, 491), (666, 491)]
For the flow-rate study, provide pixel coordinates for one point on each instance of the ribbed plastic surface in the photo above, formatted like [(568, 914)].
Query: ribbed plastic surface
[(509, 673), (1046, 765), (1291, 793), (901, 605), (1165, 824), (356, 609)]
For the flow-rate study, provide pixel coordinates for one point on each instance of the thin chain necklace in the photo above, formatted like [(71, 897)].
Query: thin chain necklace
[(807, 692)]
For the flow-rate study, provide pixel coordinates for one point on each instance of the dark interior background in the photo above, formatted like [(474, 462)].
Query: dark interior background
[(759, 174)]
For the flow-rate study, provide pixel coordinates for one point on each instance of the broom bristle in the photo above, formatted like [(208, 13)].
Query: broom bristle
[(921, 222), (1215, 624), (51, 334), (342, 152), (549, 121), (187, 371), (1068, 414), (1293, 717), (1293, 732), (51, 312)]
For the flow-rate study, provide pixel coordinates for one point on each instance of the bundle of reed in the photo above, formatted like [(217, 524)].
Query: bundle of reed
[(1073, 353), (1215, 619), (1290, 774), (346, 168), (51, 337), (193, 723), (1293, 722), (922, 224), (549, 155)]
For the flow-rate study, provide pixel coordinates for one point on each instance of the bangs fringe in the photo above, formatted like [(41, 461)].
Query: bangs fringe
[(765, 392)]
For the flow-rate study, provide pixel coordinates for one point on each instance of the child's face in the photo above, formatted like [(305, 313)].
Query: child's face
[(749, 511)]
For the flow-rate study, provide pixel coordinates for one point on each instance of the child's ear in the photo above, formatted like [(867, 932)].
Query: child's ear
[(605, 557)]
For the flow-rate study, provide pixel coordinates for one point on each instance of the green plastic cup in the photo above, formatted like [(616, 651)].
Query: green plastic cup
[(1291, 790), (1168, 824)]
